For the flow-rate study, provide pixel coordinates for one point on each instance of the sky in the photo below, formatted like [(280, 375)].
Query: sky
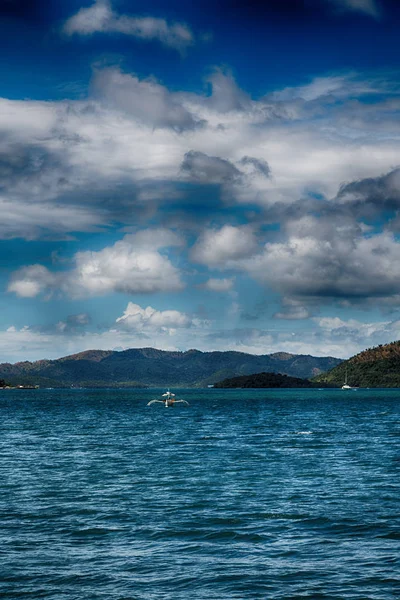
[(219, 175)]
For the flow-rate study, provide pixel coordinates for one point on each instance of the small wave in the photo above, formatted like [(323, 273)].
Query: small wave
[(278, 516), (211, 535), (95, 531), (392, 535)]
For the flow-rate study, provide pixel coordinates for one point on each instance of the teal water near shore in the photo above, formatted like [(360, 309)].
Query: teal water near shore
[(245, 494)]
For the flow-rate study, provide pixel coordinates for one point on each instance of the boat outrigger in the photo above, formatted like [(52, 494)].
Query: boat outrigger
[(168, 399)]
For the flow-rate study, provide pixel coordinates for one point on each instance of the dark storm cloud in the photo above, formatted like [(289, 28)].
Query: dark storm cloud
[(258, 164), (25, 166), (41, 191), (324, 251), (209, 169), (380, 192), (371, 198), (326, 259)]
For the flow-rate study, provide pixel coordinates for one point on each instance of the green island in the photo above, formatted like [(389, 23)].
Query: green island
[(377, 367), (268, 380)]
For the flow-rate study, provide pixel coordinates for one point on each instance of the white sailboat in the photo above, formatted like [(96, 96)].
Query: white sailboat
[(346, 386), (168, 399)]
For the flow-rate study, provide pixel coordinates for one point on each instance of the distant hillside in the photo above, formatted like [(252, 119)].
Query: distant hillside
[(158, 368), (265, 380), (375, 367)]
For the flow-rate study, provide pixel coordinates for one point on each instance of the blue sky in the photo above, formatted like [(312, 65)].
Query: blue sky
[(218, 175)]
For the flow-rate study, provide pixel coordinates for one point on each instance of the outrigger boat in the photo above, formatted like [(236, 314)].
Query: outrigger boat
[(168, 399)]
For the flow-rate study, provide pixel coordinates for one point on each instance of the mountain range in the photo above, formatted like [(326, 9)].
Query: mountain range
[(158, 368)]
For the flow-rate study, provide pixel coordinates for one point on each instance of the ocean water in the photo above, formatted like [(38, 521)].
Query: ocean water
[(245, 494)]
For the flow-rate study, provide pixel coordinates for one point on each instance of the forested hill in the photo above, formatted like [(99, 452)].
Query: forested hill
[(374, 367), (266, 380), (158, 368)]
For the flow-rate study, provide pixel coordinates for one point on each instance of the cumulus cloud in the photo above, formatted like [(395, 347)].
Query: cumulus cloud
[(101, 18), (328, 260), (129, 266), (221, 247), (312, 260), (145, 100), (226, 95), (29, 282), (133, 265), (126, 267), (137, 318)]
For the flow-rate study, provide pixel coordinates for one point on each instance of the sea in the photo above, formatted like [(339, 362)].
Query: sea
[(245, 494)]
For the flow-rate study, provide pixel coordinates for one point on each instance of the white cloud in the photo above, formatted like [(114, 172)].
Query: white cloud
[(220, 247), (100, 18), (137, 318), (146, 100), (315, 260), (122, 268), (220, 285), (292, 310), (90, 20), (45, 219), (29, 282), (132, 265), (226, 95), (72, 166), (328, 260), (357, 333), (336, 85)]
